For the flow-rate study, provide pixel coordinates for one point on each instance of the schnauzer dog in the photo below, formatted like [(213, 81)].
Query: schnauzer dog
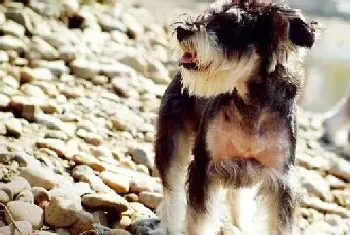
[(233, 106)]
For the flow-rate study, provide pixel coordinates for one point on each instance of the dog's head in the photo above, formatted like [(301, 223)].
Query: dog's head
[(231, 42)]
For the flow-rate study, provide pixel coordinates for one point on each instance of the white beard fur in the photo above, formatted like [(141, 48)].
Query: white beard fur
[(220, 75)]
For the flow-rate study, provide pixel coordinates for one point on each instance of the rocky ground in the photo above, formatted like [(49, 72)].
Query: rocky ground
[(80, 86)]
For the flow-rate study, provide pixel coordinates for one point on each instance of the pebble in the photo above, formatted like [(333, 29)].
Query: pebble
[(13, 127), (4, 197), (340, 168), (9, 42), (85, 69), (39, 177), (24, 226), (90, 138), (85, 222), (140, 156), (40, 195), (56, 145), (118, 183), (61, 212), (150, 199), (89, 160), (25, 196), (4, 101), (24, 211), (100, 201), (17, 185)]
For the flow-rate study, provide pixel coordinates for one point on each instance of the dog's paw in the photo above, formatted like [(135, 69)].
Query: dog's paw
[(147, 227)]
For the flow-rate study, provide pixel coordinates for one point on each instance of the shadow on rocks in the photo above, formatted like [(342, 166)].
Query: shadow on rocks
[(146, 227)]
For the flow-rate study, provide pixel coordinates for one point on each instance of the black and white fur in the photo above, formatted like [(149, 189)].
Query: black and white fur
[(232, 105)]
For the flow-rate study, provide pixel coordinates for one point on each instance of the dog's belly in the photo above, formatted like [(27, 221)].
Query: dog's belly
[(266, 142)]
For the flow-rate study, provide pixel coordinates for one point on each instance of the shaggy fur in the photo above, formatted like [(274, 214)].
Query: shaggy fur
[(233, 104)]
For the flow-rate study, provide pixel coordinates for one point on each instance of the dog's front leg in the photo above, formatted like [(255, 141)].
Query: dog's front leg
[(172, 157), (282, 204), (205, 209)]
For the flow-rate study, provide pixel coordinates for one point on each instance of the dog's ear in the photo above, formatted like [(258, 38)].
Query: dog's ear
[(290, 24), (301, 33)]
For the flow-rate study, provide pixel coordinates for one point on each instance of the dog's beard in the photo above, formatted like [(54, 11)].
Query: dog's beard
[(211, 72)]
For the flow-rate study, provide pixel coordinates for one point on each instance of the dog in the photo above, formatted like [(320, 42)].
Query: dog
[(233, 105)]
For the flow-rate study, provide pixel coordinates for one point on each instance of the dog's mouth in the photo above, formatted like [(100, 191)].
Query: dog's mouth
[(190, 61)]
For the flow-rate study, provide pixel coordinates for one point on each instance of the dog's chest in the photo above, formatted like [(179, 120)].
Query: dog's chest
[(263, 137)]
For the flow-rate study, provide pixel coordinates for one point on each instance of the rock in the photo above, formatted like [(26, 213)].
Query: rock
[(336, 222), (4, 197), (342, 197), (4, 57), (51, 122), (85, 69), (334, 182), (141, 211), (131, 197), (124, 222), (136, 62), (135, 29), (90, 160), (24, 211), (56, 145), (61, 212), (12, 28), (56, 67), (82, 188), (312, 162), (100, 217), (102, 151), (158, 72), (340, 168), (320, 227), (4, 101), (118, 232), (24, 226), (25, 196), (18, 184), (99, 201), (40, 195), (62, 231), (142, 169), (90, 138), (100, 80), (73, 92), (327, 207), (60, 135), (118, 183), (3, 130), (80, 172), (140, 156), (9, 43), (316, 185), (39, 177), (146, 226), (121, 87), (84, 223), (140, 184), (13, 127), (150, 199), (35, 74), (118, 70), (32, 90)]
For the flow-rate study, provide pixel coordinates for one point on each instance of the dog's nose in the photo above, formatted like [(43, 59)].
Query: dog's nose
[(183, 33)]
